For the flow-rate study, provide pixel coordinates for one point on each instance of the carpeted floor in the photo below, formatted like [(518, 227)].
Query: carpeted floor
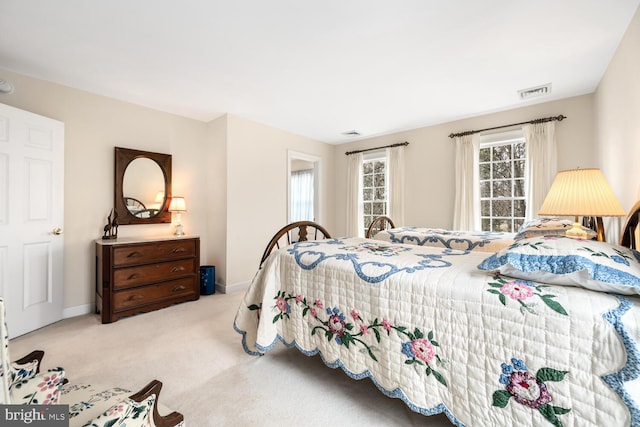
[(193, 349)]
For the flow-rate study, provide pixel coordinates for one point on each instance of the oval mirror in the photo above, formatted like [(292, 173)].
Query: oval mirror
[(142, 186)]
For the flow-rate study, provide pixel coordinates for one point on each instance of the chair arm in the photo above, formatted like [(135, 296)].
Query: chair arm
[(34, 355), (154, 387)]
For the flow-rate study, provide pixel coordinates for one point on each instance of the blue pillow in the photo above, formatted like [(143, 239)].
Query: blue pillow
[(565, 261)]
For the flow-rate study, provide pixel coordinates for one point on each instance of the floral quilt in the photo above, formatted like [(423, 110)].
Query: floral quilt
[(426, 326), (485, 241)]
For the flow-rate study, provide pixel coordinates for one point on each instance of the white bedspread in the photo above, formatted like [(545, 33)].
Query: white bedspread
[(485, 241), (429, 328)]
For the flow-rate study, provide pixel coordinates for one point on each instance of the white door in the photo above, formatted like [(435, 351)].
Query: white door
[(31, 218)]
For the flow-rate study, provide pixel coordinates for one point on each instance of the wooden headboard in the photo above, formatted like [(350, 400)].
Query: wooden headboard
[(631, 232)]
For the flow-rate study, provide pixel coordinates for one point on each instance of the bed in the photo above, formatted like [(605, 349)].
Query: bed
[(484, 241), (486, 348)]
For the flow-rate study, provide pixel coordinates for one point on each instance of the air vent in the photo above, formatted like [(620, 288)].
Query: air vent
[(534, 92), (352, 133)]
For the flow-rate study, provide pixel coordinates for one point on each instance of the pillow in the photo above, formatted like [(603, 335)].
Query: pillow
[(565, 261), (549, 227), (127, 413)]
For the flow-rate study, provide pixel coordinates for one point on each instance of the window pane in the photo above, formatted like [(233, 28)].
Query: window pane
[(501, 152), (517, 223), (518, 188), (485, 154), (368, 181), (378, 208), (367, 167), (368, 210), (485, 189), (518, 169), (502, 225), (501, 188), (380, 193), (485, 208), (378, 167), (519, 208), (367, 193), (501, 208), (502, 170), (486, 224), (379, 180), (519, 150), (485, 171)]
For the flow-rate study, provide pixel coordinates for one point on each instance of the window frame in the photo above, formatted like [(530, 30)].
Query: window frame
[(377, 156), (508, 138)]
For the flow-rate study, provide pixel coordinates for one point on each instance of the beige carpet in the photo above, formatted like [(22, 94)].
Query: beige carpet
[(193, 349)]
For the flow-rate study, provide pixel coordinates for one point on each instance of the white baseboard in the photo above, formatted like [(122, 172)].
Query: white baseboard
[(78, 310), (236, 287)]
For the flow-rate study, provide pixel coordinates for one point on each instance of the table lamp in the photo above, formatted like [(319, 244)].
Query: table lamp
[(178, 205), (581, 192)]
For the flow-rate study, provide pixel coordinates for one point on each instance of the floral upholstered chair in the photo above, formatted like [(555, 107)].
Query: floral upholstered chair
[(89, 405), (20, 381)]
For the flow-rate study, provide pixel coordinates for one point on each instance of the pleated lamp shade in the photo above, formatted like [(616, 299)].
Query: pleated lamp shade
[(580, 192), (177, 204)]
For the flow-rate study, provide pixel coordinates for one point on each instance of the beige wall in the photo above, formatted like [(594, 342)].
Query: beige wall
[(430, 157), (617, 106), (232, 173), (257, 190), (94, 125)]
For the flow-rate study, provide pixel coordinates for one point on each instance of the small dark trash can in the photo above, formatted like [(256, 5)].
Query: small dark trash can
[(207, 279)]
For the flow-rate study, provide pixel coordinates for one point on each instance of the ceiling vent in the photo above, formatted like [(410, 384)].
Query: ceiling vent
[(351, 133), (534, 92)]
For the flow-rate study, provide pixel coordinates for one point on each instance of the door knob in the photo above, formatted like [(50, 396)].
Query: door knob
[(57, 231)]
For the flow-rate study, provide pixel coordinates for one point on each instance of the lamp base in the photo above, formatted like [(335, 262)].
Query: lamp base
[(577, 232), (179, 230)]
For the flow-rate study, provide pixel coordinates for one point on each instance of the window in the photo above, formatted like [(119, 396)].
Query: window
[(301, 195), (502, 184), (374, 188)]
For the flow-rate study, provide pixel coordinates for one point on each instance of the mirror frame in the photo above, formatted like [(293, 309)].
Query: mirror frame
[(123, 157)]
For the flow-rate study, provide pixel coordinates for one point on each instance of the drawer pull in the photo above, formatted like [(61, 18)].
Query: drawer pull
[(176, 269), (178, 250), (134, 255), (133, 276), (135, 297), (178, 288)]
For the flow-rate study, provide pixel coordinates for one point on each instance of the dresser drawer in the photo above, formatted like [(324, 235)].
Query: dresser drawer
[(153, 252), (130, 298), (150, 273)]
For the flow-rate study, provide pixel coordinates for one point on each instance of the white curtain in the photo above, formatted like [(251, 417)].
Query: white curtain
[(542, 164), (355, 210), (466, 214), (302, 195), (395, 165)]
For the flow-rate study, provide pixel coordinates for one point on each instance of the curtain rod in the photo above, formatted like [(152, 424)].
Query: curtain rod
[(536, 121), (378, 148)]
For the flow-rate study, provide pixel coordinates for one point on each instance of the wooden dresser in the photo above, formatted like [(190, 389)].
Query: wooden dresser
[(139, 275)]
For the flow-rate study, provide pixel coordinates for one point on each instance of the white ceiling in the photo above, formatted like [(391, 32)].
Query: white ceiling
[(317, 68)]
